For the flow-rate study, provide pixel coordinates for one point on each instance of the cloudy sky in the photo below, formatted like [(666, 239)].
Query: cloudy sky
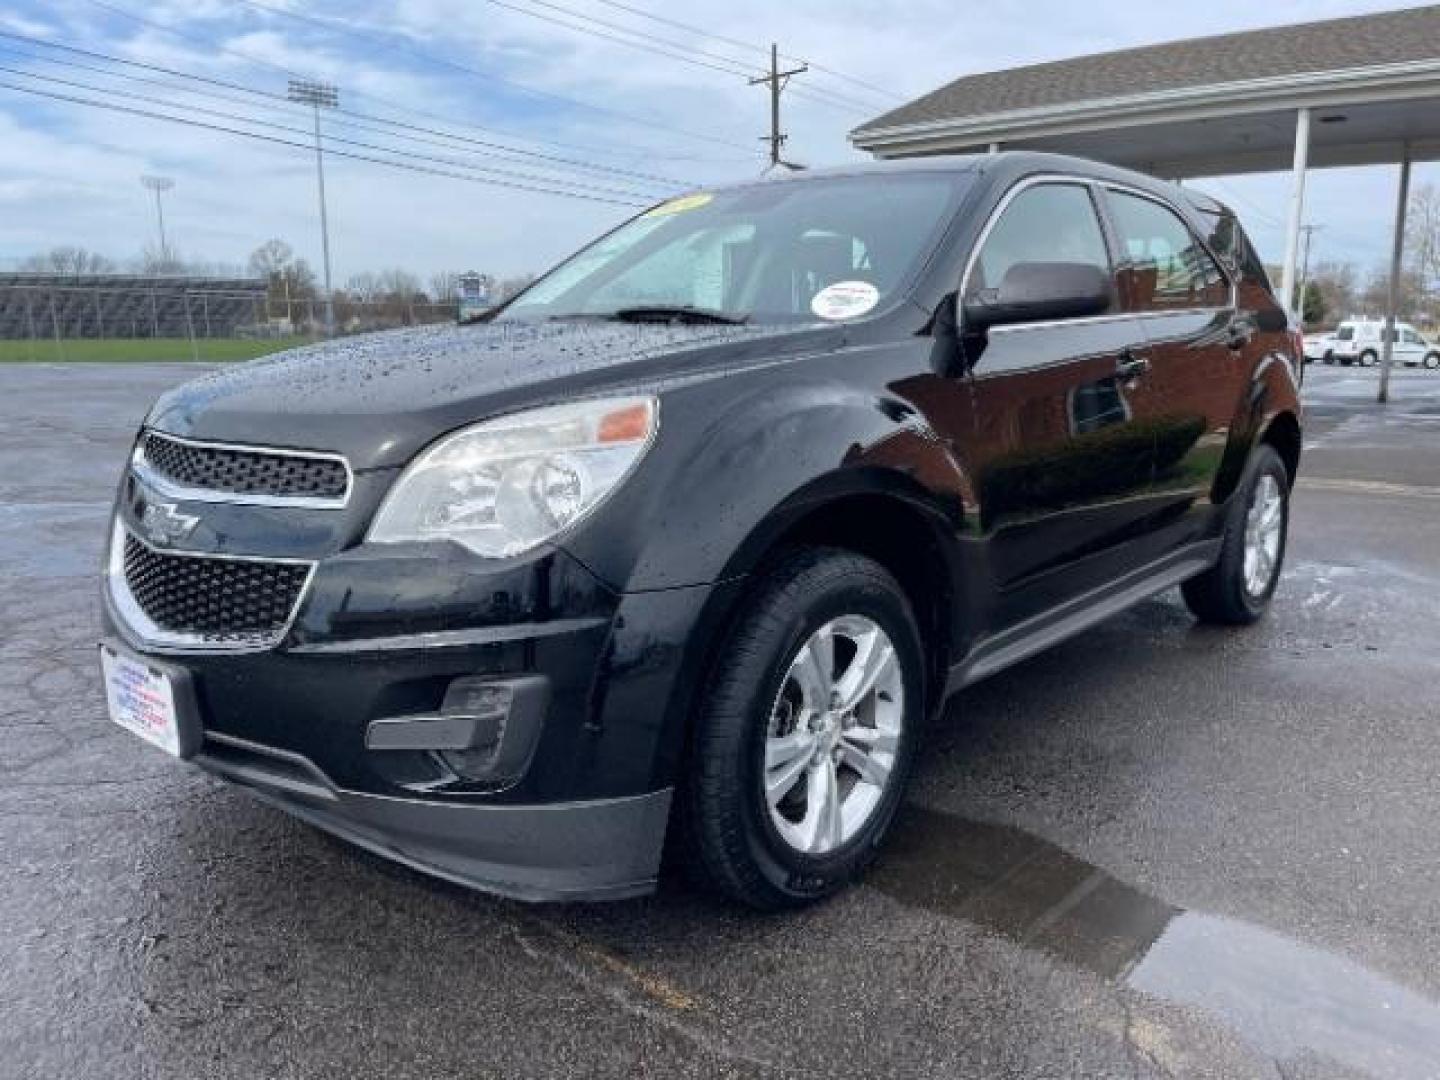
[(513, 91)]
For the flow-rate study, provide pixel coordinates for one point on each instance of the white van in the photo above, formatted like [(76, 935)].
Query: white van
[(1361, 341)]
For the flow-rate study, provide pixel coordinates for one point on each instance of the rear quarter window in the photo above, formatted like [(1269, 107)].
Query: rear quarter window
[(1228, 240)]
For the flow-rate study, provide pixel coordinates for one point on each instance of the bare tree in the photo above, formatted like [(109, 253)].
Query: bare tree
[(444, 285), (291, 281), (157, 262), (1336, 282), (1422, 233), (400, 285), (1375, 298), (68, 260), (511, 285), (271, 257)]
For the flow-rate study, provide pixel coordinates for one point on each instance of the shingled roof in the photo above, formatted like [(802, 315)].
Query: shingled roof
[(1360, 41)]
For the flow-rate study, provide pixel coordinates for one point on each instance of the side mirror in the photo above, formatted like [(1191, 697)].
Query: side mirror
[(1038, 292)]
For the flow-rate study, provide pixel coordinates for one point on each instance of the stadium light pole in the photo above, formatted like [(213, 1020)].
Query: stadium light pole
[(159, 185), (319, 96)]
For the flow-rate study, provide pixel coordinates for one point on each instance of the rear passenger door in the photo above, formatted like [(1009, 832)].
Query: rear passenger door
[(1198, 346)]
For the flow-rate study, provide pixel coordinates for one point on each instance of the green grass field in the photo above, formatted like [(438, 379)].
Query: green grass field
[(140, 350)]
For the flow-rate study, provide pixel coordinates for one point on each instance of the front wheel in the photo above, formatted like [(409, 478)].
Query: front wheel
[(1237, 589), (806, 732)]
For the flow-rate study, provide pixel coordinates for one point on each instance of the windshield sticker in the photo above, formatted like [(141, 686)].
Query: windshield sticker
[(680, 205), (845, 300)]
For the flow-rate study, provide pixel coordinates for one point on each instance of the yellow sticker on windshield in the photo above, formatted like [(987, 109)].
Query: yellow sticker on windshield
[(680, 205)]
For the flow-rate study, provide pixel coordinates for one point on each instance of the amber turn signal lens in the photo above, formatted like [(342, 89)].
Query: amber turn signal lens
[(630, 424)]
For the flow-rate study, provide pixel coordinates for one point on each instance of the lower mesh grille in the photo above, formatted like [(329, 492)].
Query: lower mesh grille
[(210, 600)]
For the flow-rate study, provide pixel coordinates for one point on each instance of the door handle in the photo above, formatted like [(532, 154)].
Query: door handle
[(1131, 366), (1237, 337)]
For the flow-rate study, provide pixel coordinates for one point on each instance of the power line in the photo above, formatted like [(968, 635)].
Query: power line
[(280, 105), (1264, 215), (408, 167), (729, 66), (405, 109), (278, 109), (725, 64), (391, 42), (832, 72), (220, 114), (689, 54)]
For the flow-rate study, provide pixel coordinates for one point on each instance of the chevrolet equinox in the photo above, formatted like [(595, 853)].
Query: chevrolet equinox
[(694, 534)]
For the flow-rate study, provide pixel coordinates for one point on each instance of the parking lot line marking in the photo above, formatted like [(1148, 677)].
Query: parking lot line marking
[(654, 987), (1368, 487)]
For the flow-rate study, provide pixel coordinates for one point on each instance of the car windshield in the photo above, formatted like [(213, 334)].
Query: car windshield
[(785, 251)]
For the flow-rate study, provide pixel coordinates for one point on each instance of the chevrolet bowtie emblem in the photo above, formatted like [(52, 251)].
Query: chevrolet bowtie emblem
[(164, 525)]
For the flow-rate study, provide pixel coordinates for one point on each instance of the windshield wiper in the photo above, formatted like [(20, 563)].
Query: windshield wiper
[(681, 313)]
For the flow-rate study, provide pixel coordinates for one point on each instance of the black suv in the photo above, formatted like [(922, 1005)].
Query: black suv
[(697, 532)]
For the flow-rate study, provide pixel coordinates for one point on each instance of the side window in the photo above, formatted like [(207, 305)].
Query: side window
[(1165, 266), (1229, 241), (1412, 338), (1044, 223)]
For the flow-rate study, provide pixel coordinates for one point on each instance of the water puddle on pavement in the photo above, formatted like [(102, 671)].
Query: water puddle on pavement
[(1285, 998)]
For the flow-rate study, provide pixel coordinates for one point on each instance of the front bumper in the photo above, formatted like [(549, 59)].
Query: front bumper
[(602, 849), (583, 819)]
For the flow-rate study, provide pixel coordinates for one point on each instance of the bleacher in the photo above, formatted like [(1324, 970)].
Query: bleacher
[(35, 305)]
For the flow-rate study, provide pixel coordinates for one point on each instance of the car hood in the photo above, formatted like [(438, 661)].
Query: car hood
[(380, 397)]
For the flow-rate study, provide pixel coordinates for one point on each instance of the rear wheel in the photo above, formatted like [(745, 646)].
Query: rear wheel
[(1368, 358), (806, 734), (1432, 360), (1237, 589)]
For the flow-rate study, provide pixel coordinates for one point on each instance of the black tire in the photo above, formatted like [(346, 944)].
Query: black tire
[(1368, 358), (1432, 361), (1220, 595), (727, 839)]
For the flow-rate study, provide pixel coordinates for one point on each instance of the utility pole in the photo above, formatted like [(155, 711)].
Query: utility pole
[(1309, 230), (159, 184), (776, 80), (320, 96)]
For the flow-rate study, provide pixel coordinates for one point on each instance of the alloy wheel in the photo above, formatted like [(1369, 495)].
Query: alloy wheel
[(1264, 521), (833, 734)]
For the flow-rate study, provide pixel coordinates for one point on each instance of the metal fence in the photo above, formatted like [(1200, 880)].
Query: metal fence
[(107, 317)]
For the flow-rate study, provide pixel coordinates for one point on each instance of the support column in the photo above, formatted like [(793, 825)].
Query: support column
[(1297, 209), (1397, 257)]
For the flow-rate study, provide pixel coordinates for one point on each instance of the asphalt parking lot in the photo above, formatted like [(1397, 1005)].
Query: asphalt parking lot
[(1157, 850)]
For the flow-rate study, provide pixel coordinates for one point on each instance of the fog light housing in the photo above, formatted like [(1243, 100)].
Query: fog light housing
[(486, 728)]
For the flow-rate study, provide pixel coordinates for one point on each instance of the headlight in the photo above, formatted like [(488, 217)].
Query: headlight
[(506, 485)]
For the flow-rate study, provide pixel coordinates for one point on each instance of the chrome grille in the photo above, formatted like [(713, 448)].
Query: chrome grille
[(243, 473), (202, 600)]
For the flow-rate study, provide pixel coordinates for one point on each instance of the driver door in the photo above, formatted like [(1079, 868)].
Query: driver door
[(1047, 424)]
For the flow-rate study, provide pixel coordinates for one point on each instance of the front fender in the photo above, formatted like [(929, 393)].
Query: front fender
[(721, 480)]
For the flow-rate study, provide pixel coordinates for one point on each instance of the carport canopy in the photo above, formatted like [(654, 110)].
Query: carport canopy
[(1363, 90)]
